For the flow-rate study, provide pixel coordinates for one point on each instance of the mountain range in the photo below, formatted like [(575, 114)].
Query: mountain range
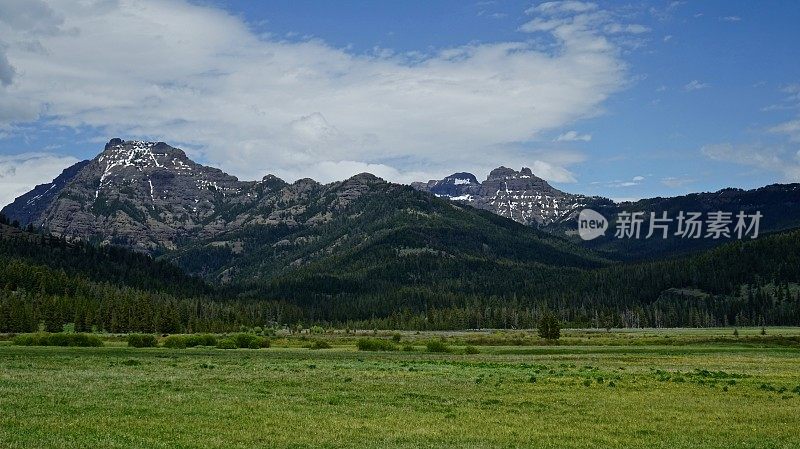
[(525, 198), (151, 197), (452, 253)]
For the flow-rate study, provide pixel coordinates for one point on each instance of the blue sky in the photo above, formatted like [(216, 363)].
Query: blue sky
[(625, 100)]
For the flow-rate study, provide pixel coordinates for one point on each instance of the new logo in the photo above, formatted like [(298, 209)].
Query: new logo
[(591, 224)]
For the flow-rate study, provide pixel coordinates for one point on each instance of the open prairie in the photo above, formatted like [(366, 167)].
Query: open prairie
[(654, 389)]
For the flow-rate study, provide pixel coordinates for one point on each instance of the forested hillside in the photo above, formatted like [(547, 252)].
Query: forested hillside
[(103, 264), (705, 289), (382, 228), (384, 284)]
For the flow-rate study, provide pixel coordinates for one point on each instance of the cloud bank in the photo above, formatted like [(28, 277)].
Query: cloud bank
[(201, 78)]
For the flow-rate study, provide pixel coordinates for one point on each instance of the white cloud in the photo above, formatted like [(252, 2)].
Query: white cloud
[(769, 158), (616, 28), (694, 85), (199, 77), (571, 136), (562, 7), (20, 173), (790, 128), (731, 19), (617, 183), (552, 172), (676, 183)]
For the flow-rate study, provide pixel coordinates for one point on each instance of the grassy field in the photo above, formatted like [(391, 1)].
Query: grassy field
[(659, 389)]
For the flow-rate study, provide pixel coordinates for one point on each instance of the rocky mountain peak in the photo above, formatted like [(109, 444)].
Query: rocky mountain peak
[(519, 195), (118, 152), (502, 173), (363, 179), (305, 184), (505, 174), (271, 178)]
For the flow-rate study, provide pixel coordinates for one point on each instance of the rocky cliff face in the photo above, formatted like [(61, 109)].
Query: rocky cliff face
[(31, 205), (519, 195), (141, 194), (151, 196)]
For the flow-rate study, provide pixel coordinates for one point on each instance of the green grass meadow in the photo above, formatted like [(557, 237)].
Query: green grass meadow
[(700, 389)]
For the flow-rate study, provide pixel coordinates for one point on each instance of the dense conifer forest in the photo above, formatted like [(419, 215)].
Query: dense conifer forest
[(48, 282)]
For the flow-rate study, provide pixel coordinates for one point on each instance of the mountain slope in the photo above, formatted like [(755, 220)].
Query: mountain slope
[(28, 207), (528, 199), (107, 264), (369, 224), (779, 204), (150, 197), (50, 281)]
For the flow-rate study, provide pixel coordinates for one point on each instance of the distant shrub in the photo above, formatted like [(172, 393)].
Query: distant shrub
[(320, 344), (249, 341), (408, 348), (396, 338), (375, 344), (175, 342), (437, 346), (317, 330), (25, 340), (193, 340), (58, 339), (189, 341), (471, 350), (226, 343), (142, 341)]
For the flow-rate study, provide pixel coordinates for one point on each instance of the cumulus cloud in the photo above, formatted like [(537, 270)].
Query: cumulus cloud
[(790, 128), (770, 158), (571, 136), (675, 182), (616, 28), (196, 76), (617, 183), (20, 173), (694, 85)]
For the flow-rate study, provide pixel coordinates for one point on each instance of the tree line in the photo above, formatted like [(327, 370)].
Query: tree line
[(49, 283)]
